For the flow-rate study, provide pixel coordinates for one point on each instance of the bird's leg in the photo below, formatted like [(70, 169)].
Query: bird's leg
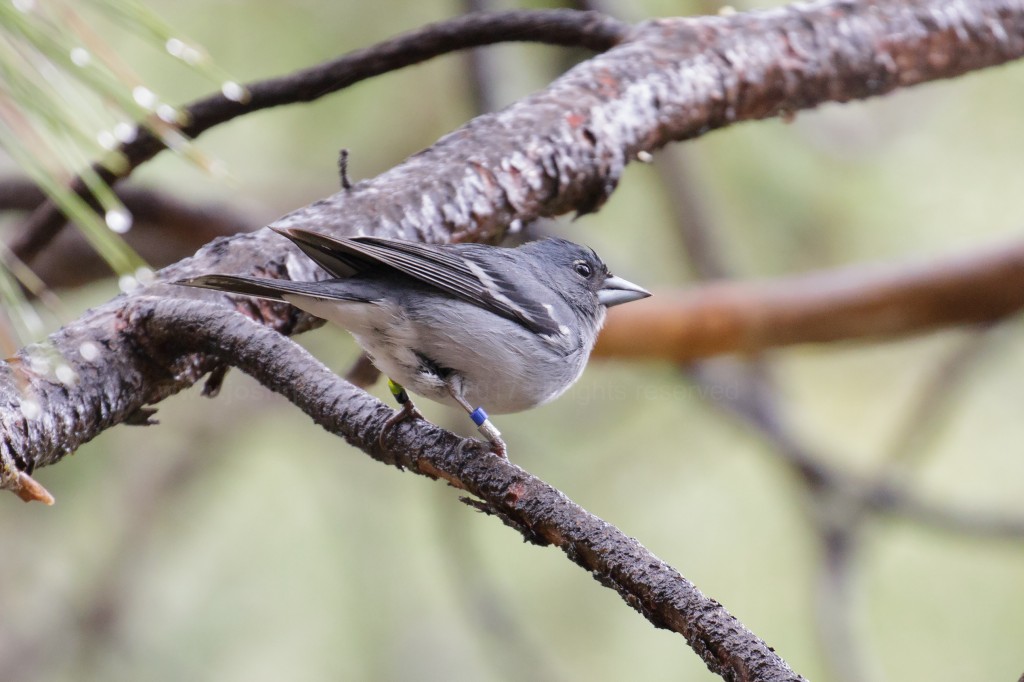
[(406, 411), (483, 424)]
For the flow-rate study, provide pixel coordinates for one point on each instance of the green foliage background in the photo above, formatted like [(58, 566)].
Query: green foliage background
[(235, 541)]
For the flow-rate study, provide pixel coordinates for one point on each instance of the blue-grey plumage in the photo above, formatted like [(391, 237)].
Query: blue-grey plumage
[(461, 324)]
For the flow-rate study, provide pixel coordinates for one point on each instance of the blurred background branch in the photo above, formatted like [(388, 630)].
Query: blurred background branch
[(166, 229), (864, 302)]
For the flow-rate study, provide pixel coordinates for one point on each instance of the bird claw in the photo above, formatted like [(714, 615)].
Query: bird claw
[(406, 411), (489, 431), (498, 447)]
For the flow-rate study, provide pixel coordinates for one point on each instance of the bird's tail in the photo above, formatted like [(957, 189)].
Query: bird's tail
[(252, 286)]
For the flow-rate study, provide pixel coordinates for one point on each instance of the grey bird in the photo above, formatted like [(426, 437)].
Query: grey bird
[(474, 326)]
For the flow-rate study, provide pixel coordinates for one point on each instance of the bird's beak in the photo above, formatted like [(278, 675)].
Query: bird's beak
[(616, 290)]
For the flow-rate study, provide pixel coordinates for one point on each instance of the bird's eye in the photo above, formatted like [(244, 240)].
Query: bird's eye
[(582, 269)]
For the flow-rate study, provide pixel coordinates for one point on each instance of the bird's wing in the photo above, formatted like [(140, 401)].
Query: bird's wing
[(331, 254), (452, 271)]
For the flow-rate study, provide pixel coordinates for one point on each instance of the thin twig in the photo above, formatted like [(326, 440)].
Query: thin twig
[(346, 184), (838, 604), (935, 400), (555, 27)]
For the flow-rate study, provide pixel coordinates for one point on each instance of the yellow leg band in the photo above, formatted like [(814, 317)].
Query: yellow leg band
[(398, 391)]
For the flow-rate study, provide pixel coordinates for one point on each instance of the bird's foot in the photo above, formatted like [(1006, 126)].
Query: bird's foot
[(499, 448), (406, 411)]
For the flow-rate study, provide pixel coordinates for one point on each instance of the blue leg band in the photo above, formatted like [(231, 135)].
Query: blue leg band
[(485, 426)]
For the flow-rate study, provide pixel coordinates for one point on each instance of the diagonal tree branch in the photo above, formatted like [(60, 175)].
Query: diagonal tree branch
[(172, 330)]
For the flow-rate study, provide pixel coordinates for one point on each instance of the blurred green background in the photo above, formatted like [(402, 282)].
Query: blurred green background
[(236, 541)]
